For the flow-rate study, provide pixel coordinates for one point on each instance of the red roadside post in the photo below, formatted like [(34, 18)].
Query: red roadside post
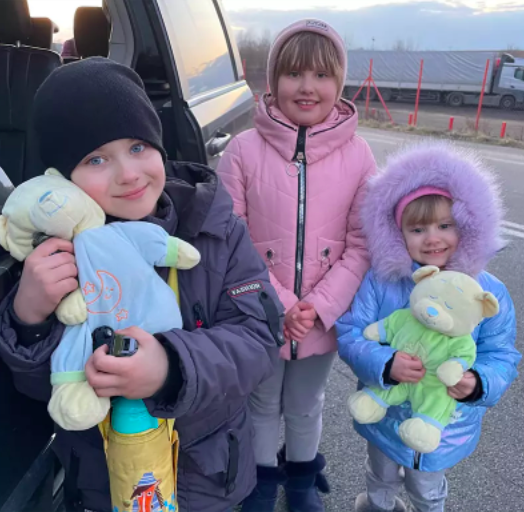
[(503, 130), (369, 86), (410, 119), (357, 94), (418, 91), (451, 121), (382, 101), (368, 82), (481, 99)]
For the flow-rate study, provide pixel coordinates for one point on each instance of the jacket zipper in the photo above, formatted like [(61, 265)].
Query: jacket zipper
[(416, 464), (300, 158)]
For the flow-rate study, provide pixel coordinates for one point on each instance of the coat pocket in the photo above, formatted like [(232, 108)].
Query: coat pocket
[(329, 251), (222, 462), (270, 251)]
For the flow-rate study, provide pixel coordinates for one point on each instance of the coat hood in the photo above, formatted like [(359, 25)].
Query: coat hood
[(477, 207)]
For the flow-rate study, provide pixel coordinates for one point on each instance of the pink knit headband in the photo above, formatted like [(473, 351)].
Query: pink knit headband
[(420, 192)]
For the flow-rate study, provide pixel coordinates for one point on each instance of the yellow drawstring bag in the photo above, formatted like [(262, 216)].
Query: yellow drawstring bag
[(143, 467)]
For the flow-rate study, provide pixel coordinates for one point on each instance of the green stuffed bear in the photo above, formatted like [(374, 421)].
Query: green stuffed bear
[(445, 307)]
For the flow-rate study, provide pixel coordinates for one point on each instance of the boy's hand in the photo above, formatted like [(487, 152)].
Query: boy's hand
[(300, 319), (407, 368), (46, 279), (465, 386), (138, 376)]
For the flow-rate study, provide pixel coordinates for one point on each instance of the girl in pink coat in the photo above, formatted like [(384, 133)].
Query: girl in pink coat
[(298, 180)]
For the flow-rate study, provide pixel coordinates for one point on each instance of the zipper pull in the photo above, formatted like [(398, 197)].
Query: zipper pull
[(300, 157), (200, 317), (298, 165)]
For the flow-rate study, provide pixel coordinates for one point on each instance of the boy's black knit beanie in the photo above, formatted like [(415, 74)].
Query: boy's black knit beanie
[(86, 104)]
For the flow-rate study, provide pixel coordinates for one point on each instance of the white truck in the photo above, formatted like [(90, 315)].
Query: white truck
[(451, 77)]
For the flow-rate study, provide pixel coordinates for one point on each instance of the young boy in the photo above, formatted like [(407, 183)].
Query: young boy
[(96, 125)]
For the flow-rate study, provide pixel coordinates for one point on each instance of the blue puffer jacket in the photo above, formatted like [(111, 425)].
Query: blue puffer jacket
[(386, 288), (496, 364)]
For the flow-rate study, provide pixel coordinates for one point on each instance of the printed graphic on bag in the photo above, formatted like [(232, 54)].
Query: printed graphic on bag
[(142, 470), (147, 497)]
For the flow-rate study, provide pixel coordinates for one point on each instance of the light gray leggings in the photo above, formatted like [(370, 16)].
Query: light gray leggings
[(384, 477), (295, 391)]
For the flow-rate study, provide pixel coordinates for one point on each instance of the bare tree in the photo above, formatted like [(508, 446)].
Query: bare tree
[(404, 45), (254, 52), (349, 41)]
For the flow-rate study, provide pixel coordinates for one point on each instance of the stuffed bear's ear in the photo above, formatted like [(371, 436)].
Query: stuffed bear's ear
[(490, 304), (424, 272), (53, 172), (3, 233)]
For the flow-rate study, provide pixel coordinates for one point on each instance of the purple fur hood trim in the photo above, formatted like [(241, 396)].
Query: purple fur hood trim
[(477, 207)]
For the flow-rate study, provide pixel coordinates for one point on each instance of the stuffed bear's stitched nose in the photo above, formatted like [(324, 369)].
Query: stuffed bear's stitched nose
[(431, 311)]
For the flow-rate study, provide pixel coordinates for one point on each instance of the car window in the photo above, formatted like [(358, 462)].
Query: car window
[(62, 13), (519, 73), (198, 30)]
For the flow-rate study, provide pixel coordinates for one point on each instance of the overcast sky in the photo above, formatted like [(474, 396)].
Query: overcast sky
[(426, 24), (423, 24), (291, 5)]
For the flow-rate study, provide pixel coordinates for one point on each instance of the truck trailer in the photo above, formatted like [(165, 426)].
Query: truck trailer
[(451, 77)]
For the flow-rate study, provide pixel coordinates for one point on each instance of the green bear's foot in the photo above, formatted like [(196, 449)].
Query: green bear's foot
[(419, 435), (365, 409)]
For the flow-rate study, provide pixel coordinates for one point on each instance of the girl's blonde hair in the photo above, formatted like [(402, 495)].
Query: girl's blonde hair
[(423, 210), (308, 51)]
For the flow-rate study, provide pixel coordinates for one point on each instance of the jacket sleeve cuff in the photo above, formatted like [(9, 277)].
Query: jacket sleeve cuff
[(170, 391), (477, 393), (326, 318), (386, 376), (29, 334)]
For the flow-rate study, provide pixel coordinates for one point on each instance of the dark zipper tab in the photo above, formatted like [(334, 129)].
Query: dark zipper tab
[(300, 150), (200, 317), (300, 158), (416, 464)]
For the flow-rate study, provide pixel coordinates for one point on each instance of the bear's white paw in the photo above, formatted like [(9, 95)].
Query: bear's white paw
[(364, 409), (372, 333), (75, 406), (419, 435), (450, 373)]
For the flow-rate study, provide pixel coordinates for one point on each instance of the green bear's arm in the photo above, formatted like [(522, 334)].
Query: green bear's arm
[(464, 350), (391, 325)]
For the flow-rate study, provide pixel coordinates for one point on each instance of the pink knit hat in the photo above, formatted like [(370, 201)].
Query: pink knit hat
[(419, 192), (307, 25)]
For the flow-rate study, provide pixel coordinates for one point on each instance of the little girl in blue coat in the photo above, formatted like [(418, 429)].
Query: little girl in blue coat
[(433, 204)]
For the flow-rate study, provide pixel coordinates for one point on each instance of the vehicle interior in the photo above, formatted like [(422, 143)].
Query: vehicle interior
[(27, 56)]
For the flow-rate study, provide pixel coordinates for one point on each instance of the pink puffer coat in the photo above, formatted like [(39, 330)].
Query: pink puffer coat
[(257, 170)]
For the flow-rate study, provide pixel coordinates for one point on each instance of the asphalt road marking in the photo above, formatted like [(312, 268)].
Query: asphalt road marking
[(513, 229)]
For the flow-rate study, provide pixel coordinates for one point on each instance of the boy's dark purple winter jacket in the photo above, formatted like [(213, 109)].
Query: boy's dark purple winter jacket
[(213, 369)]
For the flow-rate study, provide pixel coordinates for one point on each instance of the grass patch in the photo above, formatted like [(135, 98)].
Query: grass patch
[(468, 135)]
